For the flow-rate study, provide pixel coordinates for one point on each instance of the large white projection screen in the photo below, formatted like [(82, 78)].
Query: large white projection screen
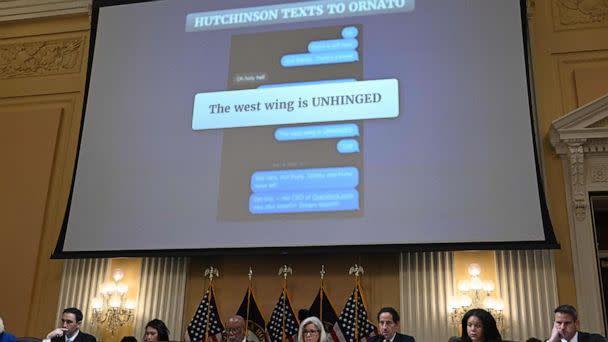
[(222, 125)]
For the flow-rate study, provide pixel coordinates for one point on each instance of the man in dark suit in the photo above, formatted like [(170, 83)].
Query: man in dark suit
[(388, 326), (235, 329), (70, 328), (565, 327)]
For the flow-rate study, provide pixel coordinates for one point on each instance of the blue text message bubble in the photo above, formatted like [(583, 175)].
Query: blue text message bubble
[(319, 58), (342, 101), (304, 201), (350, 32), (316, 132), (332, 45), (305, 179), (347, 146)]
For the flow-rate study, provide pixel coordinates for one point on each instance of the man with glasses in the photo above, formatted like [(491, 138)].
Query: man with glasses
[(388, 326), (235, 329), (70, 328)]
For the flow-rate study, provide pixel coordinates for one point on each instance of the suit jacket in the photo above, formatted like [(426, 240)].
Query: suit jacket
[(587, 337), (7, 337), (82, 337), (398, 338)]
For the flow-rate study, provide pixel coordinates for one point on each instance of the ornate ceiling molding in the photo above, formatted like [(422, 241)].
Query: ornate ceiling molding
[(41, 58), (11, 10), (586, 122), (571, 14)]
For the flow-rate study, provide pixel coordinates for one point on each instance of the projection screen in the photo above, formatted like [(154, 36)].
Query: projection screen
[(255, 125)]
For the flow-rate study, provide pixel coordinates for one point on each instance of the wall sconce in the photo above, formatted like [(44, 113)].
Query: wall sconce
[(475, 293), (113, 309)]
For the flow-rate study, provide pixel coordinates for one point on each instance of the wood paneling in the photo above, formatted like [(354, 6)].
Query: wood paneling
[(563, 40), (49, 84), (591, 82), (27, 144), (380, 281)]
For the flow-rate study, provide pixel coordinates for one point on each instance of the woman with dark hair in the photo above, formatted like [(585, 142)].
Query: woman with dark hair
[(156, 330), (478, 325)]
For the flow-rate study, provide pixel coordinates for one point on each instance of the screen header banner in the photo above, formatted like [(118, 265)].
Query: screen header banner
[(293, 12)]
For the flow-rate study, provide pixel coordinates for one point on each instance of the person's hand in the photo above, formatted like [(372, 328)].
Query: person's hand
[(554, 335), (55, 333)]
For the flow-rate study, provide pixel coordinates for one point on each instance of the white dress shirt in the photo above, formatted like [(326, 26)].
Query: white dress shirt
[(392, 338), (68, 339), (574, 338)]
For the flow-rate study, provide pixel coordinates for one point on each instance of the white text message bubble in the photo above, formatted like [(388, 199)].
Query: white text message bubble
[(298, 104)]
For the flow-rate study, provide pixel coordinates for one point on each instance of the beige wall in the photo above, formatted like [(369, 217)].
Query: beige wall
[(41, 92), (570, 52), (27, 182), (42, 70)]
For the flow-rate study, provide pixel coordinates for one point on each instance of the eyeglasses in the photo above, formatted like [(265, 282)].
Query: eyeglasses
[(233, 330), (310, 332)]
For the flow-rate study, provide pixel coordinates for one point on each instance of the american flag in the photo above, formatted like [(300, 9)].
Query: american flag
[(283, 322), (206, 322), (354, 315)]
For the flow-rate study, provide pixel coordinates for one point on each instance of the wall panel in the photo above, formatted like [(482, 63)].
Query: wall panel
[(28, 137), (42, 70)]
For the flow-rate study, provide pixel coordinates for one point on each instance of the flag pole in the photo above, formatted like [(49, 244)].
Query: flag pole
[(321, 294), (283, 271), (210, 272), (357, 271), (249, 274)]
